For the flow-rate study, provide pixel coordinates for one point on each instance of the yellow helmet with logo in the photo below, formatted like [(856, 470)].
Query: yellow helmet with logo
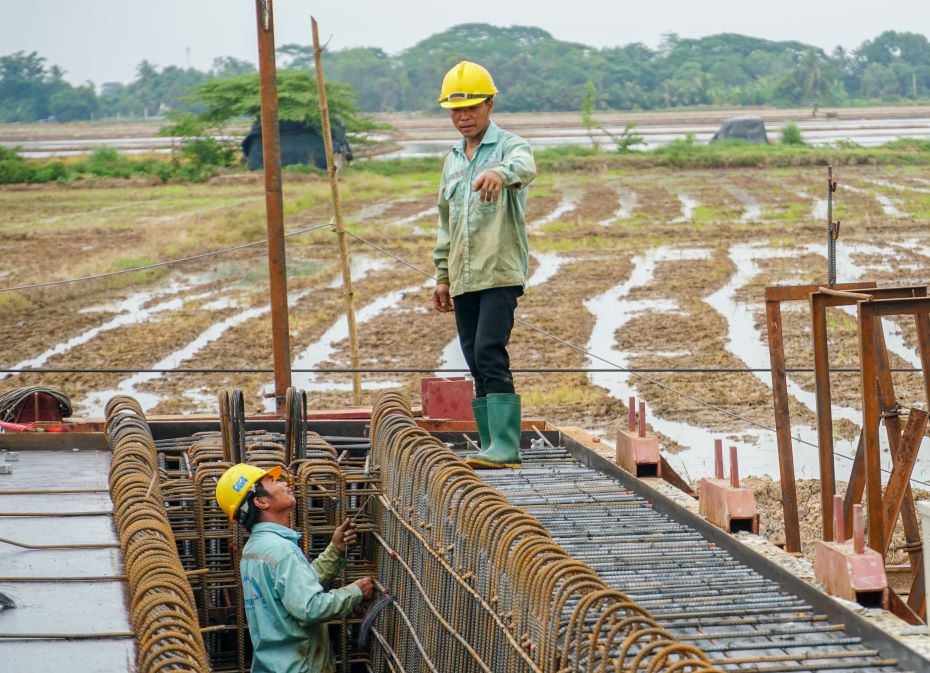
[(465, 85), (236, 482)]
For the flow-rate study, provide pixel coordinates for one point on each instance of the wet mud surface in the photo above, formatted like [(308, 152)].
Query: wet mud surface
[(686, 307)]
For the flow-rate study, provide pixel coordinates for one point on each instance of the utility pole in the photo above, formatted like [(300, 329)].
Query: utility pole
[(274, 203), (337, 214)]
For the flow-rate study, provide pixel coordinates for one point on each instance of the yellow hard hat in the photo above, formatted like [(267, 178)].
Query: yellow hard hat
[(236, 482), (465, 85)]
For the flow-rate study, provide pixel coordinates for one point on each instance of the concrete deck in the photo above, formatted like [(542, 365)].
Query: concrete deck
[(49, 607)]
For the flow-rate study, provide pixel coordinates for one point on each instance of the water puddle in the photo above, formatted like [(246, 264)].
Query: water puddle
[(547, 266), (752, 212), (323, 349), (129, 311), (848, 270), (819, 209), (757, 447), (360, 266), (626, 205), (95, 403), (566, 205), (888, 206), (428, 213), (899, 187), (373, 210), (688, 205)]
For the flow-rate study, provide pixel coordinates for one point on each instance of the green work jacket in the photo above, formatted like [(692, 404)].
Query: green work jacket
[(483, 245), (285, 603)]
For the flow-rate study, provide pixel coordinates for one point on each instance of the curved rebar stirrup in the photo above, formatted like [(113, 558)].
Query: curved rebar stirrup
[(504, 583)]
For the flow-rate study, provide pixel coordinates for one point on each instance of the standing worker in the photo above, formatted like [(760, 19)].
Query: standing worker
[(286, 604), (481, 253)]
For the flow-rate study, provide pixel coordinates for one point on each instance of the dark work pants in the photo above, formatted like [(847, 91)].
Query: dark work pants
[(484, 320)]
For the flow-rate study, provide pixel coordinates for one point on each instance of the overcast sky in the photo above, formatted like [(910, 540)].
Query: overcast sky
[(103, 40)]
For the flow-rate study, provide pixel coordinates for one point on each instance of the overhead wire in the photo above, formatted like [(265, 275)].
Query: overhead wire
[(441, 370), (155, 265)]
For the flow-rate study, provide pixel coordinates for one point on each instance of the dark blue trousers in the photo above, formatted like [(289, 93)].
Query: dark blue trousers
[(484, 320)]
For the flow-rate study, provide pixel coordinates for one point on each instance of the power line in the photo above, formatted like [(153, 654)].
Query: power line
[(429, 370), (156, 265)]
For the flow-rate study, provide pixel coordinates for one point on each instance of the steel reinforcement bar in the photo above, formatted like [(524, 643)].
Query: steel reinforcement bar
[(477, 584), (162, 608)]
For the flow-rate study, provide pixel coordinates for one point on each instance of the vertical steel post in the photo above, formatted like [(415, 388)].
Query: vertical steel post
[(839, 534), (789, 495), (824, 411), (734, 468), (870, 421), (718, 459), (337, 213), (274, 203)]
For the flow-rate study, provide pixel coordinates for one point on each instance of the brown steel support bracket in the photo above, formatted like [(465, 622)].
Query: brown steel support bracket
[(902, 610), (820, 301), (875, 391), (903, 461), (774, 296)]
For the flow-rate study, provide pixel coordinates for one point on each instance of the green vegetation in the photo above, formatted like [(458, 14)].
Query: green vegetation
[(791, 134), (221, 100), (725, 69), (528, 64)]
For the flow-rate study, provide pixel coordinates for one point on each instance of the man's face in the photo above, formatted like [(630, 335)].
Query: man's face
[(280, 497), (473, 121)]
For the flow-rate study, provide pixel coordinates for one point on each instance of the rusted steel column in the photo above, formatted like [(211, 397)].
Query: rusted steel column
[(337, 214), (789, 496), (824, 411), (274, 203), (718, 459), (856, 486), (904, 457), (870, 419)]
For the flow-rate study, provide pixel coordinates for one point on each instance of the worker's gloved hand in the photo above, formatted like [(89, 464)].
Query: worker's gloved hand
[(442, 302), (489, 184), (345, 536), (367, 585)]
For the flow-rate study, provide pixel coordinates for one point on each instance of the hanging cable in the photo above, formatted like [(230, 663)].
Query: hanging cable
[(156, 265)]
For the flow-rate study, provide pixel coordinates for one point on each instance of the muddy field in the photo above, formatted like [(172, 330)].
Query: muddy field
[(653, 269)]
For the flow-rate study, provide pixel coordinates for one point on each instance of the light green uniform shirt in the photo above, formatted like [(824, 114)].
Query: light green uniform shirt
[(285, 603), (483, 245)]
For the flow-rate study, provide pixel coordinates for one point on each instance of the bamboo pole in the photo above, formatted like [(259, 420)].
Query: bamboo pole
[(337, 213), (274, 203)]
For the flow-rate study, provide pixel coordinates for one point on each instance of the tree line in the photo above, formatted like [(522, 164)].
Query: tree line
[(533, 70)]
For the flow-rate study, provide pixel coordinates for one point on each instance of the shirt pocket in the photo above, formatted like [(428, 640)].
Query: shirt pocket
[(452, 195)]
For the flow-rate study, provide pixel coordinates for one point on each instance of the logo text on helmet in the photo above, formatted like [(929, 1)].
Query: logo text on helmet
[(242, 481)]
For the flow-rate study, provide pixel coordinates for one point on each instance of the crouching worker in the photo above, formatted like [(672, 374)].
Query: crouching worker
[(286, 602)]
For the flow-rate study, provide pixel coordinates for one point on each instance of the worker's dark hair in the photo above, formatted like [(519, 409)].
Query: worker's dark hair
[(251, 516)]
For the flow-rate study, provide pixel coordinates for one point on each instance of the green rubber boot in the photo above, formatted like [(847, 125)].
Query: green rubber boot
[(504, 425), (479, 406)]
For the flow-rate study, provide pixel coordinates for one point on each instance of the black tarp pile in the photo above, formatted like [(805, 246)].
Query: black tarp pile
[(300, 144)]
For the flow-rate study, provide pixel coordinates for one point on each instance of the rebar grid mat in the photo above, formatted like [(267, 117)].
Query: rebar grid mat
[(480, 585), (162, 606), (695, 591), (328, 486)]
